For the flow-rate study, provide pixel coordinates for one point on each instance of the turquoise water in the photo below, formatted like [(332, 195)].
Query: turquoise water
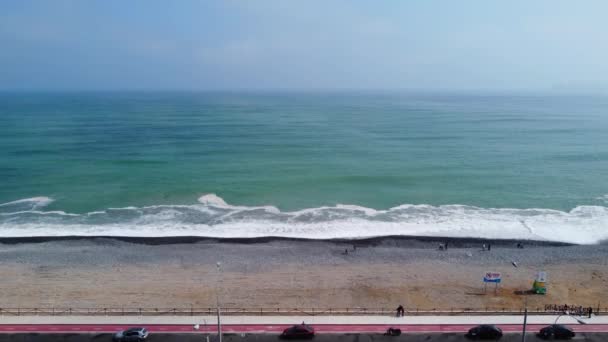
[(93, 151)]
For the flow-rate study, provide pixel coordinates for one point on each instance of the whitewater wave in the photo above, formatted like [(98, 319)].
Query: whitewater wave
[(26, 204), (213, 217)]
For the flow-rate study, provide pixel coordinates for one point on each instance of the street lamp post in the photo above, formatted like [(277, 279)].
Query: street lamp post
[(217, 300), (523, 333)]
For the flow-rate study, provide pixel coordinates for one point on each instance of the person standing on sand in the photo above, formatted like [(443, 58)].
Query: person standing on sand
[(400, 311)]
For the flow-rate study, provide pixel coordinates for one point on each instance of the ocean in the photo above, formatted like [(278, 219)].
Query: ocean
[(304, 164)]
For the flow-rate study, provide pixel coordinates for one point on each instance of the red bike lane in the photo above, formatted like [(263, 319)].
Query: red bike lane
[(276, 328)]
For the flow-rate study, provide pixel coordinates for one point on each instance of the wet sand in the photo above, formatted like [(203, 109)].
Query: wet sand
[(283, 273)]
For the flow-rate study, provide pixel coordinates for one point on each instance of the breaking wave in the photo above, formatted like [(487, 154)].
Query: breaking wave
[(213, 217)]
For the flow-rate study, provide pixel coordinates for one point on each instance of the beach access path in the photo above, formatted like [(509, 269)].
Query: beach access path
[(275, 324)]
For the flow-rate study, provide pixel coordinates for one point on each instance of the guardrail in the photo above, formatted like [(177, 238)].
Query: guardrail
[(193, 311)]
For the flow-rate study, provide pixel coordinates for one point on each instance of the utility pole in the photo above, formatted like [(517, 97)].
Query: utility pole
[(217, 301), (523, 333)]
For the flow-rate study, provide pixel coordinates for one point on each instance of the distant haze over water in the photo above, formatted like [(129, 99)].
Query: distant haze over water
[(314, 164)]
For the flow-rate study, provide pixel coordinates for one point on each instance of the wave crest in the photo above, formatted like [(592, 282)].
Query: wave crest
[(26, 204), (213, 217)]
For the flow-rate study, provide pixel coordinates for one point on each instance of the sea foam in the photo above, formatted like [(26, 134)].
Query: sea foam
[(214, 217), (25, 204)]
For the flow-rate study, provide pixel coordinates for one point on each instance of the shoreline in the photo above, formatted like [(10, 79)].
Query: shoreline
[(390, 240)]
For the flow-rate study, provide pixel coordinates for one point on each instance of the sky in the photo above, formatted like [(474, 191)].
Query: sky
[(541, 45)]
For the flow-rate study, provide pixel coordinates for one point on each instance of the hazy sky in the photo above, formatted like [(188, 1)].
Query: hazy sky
[(253, 44)]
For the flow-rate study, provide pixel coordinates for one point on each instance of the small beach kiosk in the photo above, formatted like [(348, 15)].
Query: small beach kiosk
[(540, 283)]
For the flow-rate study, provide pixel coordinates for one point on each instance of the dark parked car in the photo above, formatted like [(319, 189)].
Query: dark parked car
[(556, 331), (392, 332), (485, 332), (131, 335), (300, 331)]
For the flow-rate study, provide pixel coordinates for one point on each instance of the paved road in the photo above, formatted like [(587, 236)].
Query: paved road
[(276, 328), (159, 337)]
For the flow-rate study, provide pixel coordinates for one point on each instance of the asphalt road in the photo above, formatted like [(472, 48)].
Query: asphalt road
[(449, 337), (277, 328)]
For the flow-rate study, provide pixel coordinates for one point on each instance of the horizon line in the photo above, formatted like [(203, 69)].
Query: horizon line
[(315, 90)]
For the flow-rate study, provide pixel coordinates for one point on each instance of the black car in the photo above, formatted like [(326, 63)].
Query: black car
[(300, 331), (131, 335), (485, 332), (556, 331), (393, 332)]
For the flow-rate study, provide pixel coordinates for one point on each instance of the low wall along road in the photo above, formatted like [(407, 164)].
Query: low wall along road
[(194, 311)]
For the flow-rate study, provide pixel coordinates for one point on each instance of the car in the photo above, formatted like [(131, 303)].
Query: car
[(392, 332), (299, 331), (557, 331), (485, 332), (131, 335)]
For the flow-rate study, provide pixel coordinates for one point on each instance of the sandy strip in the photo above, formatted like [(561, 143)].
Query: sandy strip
[(294, 274)]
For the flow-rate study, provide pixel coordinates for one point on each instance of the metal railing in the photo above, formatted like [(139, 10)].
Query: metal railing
[(194, 311)]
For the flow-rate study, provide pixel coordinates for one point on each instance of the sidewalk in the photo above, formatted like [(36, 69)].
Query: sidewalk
[(317, 320)]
